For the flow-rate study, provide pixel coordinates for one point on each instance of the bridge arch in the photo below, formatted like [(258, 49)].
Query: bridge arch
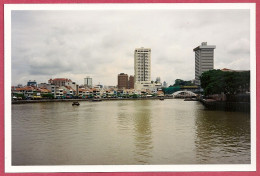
[(184, 94)]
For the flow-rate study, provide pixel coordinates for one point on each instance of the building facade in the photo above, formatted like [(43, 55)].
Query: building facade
[(158, 80), (59, 81), (32, 83), (122, 80), (142, 65), (88, 82), (204, 59), (165, 84), (131, 82)]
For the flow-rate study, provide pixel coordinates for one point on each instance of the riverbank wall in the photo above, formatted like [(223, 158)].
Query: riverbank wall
[(90, 100), (226, 106)]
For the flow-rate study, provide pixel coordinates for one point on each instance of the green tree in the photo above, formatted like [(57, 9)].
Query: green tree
[(230, 83), (19, 95), (180, 82)]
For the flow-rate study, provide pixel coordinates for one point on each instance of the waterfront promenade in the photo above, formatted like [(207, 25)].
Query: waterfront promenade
[(71, 100), (208, 103)]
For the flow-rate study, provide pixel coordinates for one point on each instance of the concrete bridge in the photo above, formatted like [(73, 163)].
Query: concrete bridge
[(184, 94)]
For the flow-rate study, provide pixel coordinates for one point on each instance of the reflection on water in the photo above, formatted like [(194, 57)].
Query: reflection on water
[(222, 138), (143, 132), (128, 132)]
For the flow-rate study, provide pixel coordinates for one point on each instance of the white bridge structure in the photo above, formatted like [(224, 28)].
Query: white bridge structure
[(184, 94)]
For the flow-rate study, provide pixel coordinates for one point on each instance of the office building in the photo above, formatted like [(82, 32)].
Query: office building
[(204, 59), (88, 82), (158, 80), (131, 82), (59, 81), (165, 84), (122, 80), (32, 83)]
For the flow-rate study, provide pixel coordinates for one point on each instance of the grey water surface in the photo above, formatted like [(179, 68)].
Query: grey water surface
[(128, 132)]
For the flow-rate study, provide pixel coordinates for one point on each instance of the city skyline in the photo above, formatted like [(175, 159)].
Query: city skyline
[(100, 44)]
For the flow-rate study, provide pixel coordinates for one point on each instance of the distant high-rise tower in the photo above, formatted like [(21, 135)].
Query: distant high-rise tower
[(88, 82), (165, 84), (158, 80), (122, 81), (142, 64), (204, 59)]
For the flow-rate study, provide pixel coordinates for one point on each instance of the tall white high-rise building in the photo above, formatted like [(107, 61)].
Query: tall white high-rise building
[(88, 82), (204, 59), (142, 64)]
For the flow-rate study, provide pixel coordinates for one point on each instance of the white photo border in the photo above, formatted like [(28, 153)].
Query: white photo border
[(126, 168)]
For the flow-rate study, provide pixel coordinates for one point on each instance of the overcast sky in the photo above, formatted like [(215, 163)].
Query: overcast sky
[(101, 43)]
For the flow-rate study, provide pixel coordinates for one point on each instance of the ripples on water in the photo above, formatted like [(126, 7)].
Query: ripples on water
[(128, 132)]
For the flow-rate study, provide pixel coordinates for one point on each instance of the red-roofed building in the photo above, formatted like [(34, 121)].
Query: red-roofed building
[(225, 69), (229, 70), (26, 91)]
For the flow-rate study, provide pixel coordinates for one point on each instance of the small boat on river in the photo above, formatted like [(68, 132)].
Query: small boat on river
[(75, 103)]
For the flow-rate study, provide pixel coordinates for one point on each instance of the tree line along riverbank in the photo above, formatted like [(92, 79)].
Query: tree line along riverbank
[(226, 90)]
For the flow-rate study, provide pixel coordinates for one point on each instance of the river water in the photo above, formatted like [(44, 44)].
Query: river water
[(125, 132)]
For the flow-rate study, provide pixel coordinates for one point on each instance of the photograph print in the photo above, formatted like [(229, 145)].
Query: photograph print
[(161, 85)]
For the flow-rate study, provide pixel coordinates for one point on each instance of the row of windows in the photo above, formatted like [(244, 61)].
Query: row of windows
[(141, 68), (207, 54), (207, 67), (143, 50), (146, 73), (204, 64), (146, 53), (204, 50), (207, 57), (207, 60), (141, 59), (142, 56), (143, 75), (142, 63)]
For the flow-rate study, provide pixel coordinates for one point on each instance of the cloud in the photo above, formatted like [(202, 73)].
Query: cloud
[(74, 44)]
